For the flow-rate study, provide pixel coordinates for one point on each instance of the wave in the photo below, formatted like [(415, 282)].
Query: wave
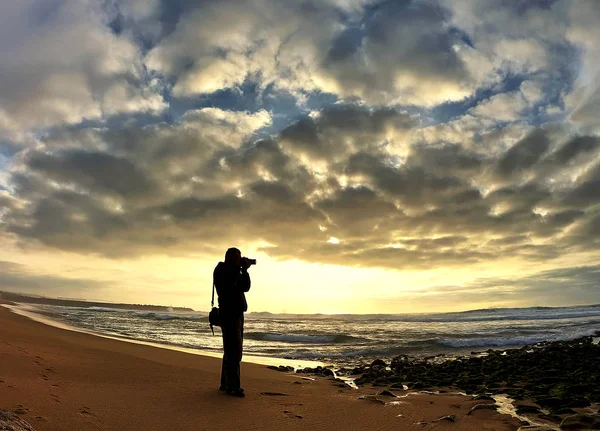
[(514, 341), (301, 338), (170, 316), (479, 315), (104, 309)]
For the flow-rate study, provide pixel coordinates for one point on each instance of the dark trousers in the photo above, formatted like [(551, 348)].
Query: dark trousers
[(232, 328)]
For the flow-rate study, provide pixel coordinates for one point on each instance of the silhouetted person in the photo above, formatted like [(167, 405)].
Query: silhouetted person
[(231, 281)]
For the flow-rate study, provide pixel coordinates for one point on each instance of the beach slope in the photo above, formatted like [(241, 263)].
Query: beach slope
[(57, 379)]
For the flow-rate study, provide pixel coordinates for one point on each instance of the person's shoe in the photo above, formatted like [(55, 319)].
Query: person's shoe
[(237, 393), (223, 388)]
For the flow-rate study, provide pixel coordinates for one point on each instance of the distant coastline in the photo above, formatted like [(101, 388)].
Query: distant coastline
[(30, 299)]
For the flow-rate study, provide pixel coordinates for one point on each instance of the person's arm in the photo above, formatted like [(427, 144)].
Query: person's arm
[(243, 282)]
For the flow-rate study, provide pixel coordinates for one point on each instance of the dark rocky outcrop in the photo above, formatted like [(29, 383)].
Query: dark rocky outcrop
[(482, 407), (581, 421), (557, 376), (11, 422)]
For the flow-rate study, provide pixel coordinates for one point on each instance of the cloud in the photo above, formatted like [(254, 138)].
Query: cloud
[(389, 52), (524, 154), (555, 287), (335, 173), (94, 172), (61, 63), (584, 101), (19, 278), (502, 107), (415, 133)]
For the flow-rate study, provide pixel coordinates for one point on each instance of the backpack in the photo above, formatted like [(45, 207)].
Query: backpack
[(214, 317)]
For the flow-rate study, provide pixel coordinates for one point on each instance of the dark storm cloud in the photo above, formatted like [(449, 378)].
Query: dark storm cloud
[(395, 42), (424, 208), (587, 191), (578, 146), (322, 138), (411, 183), (525, 196), (100, 172), (69, 221), (194, 208), (524, 154), (445, 158)]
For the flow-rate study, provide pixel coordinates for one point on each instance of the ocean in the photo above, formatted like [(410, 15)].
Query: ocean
[(341, 339)]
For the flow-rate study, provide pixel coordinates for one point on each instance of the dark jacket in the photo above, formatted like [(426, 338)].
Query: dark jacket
[(231, 283)]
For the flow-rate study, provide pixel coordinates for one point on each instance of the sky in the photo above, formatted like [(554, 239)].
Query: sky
[(373, 156)]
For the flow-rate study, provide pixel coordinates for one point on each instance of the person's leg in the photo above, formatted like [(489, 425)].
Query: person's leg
[(231, 341), (223, 386), (240, 339)]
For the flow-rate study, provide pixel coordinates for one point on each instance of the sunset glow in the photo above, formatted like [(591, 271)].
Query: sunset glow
[(374, 157)]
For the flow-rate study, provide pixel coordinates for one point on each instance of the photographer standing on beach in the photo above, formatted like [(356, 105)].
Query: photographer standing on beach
[(231, 280)]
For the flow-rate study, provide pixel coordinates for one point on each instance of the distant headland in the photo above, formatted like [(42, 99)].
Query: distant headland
[(32, 299)]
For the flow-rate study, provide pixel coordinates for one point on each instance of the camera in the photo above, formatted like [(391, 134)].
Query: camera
[(247, 261)]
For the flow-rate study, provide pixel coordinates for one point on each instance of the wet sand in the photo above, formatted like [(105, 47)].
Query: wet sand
[(57, 379)]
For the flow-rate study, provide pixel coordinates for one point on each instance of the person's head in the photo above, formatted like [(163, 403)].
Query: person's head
[(233, 255)]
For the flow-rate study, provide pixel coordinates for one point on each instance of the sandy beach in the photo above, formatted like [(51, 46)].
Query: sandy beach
[(57, 379)]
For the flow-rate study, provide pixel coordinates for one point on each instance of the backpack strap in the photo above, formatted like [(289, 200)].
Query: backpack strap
[(212, 302)]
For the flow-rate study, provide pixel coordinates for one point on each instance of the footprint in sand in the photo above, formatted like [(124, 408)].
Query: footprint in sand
[(21, 410), (90, 418), (290, 404), (84, 411), (291, 415)]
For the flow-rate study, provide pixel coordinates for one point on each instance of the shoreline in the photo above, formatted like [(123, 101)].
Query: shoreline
[(57, 379), (21, 310)]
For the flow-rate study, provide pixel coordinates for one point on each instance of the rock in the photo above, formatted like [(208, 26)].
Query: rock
[(564, 411), (397, 386), (524, 408), (283, 368), (535, 428), (482, 407), (387, 394), (372, 398), (551, 418), (449, 418), (327, 372), (482, 397), (556, 375), (378, 362), (550, 402), (11, 422), (581, 421)]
